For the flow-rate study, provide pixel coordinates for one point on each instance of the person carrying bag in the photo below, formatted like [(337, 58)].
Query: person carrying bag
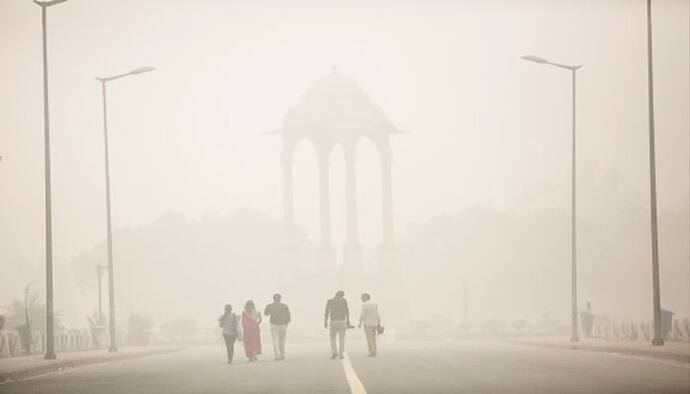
[(370, 319)]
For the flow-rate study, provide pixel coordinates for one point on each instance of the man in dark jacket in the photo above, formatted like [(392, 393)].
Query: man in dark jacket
[(339, 314), (280, 318)]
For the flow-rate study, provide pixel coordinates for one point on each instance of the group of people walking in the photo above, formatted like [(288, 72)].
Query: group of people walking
[(246, 327), (337, 319)]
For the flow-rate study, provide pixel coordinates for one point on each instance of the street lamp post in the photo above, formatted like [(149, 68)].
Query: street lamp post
[(111, 281), (573, 229), (50, 322), (466, 309), (658, 339), (99, 273)]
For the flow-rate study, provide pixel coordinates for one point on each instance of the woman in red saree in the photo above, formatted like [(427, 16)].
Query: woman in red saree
[(251, 319)]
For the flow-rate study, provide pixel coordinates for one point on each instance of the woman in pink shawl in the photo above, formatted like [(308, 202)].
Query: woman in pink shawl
[(251, 319)]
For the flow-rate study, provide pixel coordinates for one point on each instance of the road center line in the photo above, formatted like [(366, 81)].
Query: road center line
[(356, 386)]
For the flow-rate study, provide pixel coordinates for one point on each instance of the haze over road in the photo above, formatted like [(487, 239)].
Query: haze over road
[(403, 367)]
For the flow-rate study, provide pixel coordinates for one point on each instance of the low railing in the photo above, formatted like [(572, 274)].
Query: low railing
[(71, 340), (10, 344), (640, 331)]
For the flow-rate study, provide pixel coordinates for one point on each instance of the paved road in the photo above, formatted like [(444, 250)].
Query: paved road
[(403, 367)]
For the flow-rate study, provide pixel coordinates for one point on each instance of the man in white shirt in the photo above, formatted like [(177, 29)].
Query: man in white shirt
[(370, 319)]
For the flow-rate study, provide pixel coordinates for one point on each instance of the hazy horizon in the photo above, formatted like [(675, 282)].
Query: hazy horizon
[(482, 127)]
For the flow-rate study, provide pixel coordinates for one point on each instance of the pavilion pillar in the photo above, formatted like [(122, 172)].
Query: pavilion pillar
[(325, 196), (352, 250), (386, 197), (290, 250), (351, 195), (288, 198), (390, 279)]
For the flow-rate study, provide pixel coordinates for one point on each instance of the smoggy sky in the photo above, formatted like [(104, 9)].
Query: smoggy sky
[(484, 127)]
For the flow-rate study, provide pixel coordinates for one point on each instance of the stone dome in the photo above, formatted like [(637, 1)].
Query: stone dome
[(336, 106)]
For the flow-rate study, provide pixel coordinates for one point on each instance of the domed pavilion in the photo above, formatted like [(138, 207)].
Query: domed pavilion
[(336, 111)]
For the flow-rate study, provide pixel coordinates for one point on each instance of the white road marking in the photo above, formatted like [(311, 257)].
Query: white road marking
[(356, 386), (669, 362)]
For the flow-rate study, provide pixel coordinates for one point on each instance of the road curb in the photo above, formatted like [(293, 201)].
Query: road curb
[(682, 358), (60, 365)]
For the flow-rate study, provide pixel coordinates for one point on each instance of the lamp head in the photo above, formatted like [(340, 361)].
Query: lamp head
[(142, 70), (533, 58), (48, 3)]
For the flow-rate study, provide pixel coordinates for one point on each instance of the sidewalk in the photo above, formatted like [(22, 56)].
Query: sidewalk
[(14, 368), (675, 351)]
